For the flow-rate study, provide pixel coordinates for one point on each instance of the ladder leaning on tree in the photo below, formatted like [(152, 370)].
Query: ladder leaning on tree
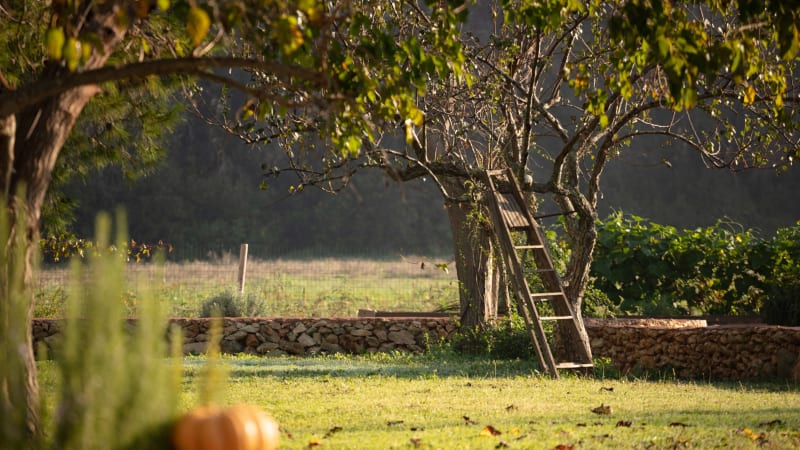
[(509, 214)]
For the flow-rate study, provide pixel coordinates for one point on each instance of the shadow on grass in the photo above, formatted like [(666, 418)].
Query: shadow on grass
[(443, 364), (425, 366)]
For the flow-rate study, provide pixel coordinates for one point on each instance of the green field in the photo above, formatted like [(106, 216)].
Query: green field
[(283, 288), (441, 400)]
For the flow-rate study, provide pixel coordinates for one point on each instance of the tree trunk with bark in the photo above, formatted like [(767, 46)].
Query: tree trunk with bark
[(27, 163), (478, 275)]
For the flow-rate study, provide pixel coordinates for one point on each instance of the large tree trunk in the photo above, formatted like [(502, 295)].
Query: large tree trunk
[(27, 165), (582, 237), (478, 275)]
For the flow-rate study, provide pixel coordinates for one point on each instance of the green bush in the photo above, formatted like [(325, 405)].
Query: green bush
[(506, 339), (652, 269), (231, 304), (782, 305)]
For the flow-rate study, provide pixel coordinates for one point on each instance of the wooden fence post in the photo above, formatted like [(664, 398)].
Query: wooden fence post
[(242, 266)]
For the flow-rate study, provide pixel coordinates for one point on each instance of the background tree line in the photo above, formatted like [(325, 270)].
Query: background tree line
[(205, 197)]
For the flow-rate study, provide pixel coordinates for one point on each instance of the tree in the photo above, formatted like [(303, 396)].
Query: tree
[(58, 56), (558, 89)]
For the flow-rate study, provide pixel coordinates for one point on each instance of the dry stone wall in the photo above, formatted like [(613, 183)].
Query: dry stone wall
[(728, 352), (735, 352), (298, 336)]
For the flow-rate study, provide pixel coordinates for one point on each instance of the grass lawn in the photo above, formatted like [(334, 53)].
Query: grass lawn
[(452, 402)]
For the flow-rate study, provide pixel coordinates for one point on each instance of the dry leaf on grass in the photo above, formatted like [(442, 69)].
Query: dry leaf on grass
[(602, 409), (490, 431), (564, 447), (624, 423), (469, 421)]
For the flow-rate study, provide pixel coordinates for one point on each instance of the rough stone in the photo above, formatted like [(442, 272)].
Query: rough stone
[(402, 337), (292, 348), (251, 328), (331, 348), (361, 332), (194, 348), (266, 347), (306, 340), (231, 347), (251, 341)]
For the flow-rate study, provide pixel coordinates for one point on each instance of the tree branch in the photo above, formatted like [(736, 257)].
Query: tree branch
[(31, 94)]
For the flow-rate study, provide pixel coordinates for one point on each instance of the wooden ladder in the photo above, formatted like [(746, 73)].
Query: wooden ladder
[(510, 214)]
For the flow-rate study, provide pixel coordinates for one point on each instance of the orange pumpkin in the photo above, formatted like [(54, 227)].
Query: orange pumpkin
[(241, 427)]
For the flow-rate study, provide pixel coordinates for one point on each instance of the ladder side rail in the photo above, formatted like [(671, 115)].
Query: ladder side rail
[(552, 281), (542, 258), (524, 302), (521, 289)]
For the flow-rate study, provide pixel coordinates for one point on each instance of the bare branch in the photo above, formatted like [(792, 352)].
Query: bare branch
[(16, 101)]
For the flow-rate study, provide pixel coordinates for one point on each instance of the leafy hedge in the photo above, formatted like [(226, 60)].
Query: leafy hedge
[(647, 268)]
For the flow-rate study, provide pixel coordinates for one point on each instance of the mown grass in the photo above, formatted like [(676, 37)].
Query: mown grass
[(441, 400), (293, 288)]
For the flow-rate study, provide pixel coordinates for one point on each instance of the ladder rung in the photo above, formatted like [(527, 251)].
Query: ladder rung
[(573, 365), (556, 318), (546, 294), (529, 247)]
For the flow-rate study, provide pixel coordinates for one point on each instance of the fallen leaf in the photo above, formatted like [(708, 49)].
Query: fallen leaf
[(416, 441), (392, 423), (468, 420), (760, 437), (602, 409), (624, 423), (314, 443), (502, 444), (607, 389), (331, 432), (490, 431), (564, 447), (417, 429), (511, 407), (515, 432), (468, 384), (678, 424)]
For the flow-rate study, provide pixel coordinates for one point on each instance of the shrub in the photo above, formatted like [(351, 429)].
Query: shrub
[(230, 304), (647, 268), (506, 339)]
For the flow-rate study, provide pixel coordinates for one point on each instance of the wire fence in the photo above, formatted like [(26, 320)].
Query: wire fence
[(280, 287)]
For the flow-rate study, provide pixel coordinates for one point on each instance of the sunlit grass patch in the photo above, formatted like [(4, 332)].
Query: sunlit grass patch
[(443, 400)]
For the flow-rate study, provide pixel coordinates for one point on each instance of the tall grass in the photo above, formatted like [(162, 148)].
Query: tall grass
[(306, 288)]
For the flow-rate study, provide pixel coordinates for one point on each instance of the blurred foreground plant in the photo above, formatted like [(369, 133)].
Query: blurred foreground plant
[(118, 389)]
